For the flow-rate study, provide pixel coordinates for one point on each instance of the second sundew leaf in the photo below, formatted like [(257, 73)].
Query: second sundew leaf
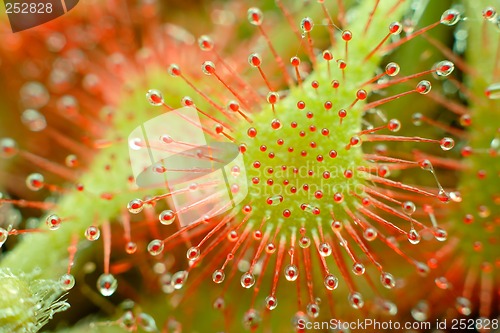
[(470, 262)]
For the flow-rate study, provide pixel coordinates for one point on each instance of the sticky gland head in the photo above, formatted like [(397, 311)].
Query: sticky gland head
[(303, 144)]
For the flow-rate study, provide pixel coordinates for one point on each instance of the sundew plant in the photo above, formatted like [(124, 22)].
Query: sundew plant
[(230, 166)]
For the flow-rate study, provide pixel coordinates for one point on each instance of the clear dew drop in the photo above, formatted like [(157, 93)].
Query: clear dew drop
[(465, 120), (68, 106), (35, 181), (167, 217), (205, 43), (127, 321), (235, 171), (179, 279), (257, 235), (416, 119), (447, 144), (208, 68), (107, 284), (274, 200), (313, 310), (219, 303), (392, 240), (483, 211), (270, 248), (165, 138), (370, 234), (232, 236), (255, 16), (53, 222), (450, 17), (273, 98), (34, 95), (388, 307), (33, 120), (310, 209), (146, 322), (306, 24), (92, 233), (358, 268), (440, 234), (387, 280), (218, 276), (356, 300), (55, 42), (421, 311), (325, 249), (135, 206), (495, 145), (493, 91), (247, 280), (135, 143), (304, 242), (166, 283), (254, 60), (444, 68), (489, 13), (425, 165), (291, 272), (158, 168), (409, 207), (155, 247), (442, 283), (67, 281), (154, 97), (193, 253), (413, 236), (174, 70), (71, 161), (271, 302), (423, 87), (127, 305), (355, 141), (392, 69), (463, 306), (394, 125), (299, 319), (8, 148), (131, 247), (331, 282), (422, 269), (251, 320), (384, 171)]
